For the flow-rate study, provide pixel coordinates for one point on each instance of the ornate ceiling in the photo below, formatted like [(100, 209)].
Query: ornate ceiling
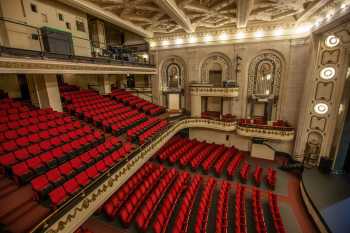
[(167, 16)]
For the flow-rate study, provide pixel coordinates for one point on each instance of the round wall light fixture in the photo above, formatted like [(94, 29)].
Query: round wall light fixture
[(321, 108), (327, 73), (332, 41)]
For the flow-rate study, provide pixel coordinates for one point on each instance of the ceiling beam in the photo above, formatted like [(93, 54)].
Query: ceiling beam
[(100, 13), (311, 10), (244, 7), (170, 7)]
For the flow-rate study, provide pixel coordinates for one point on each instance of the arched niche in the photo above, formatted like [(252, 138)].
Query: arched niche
[(264, 78), (173, 76), (173, 72), (216, 68)]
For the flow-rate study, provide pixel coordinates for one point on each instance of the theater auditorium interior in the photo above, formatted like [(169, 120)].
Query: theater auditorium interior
[(174, 116)]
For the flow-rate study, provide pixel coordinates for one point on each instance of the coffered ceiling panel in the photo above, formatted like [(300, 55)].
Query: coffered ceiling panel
[(166, 16)]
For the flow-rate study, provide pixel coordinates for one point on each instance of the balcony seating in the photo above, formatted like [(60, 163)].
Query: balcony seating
[(197, 160), (240, 210), (150, 205), (257, 175), (275, 212), (233, 164), (204, 207), (181, 151), (263, 124), (133, 133), (185, 209), (258, 214), (271, 178), (221, 223), (112, 206), (170, 147), (222, 161), (186, 158), (169, 202), (148, 134), (129, 208), (243, 174), (136, 102), (208, 163)]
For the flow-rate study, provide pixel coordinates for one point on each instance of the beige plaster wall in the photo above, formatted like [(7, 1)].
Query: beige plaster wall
[(8, 83), (19, 36)]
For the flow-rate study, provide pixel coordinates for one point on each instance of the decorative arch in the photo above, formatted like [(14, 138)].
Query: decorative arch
[(216, 61), (170, 66), (270, 64)]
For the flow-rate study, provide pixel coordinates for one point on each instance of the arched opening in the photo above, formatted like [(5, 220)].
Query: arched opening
[(264, 77)]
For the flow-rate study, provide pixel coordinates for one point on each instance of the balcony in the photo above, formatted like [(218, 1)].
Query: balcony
[(202, 89)]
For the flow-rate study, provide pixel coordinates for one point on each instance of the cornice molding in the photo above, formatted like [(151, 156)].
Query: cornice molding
[(22, 65)]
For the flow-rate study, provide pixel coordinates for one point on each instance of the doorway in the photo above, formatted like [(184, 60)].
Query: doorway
[(23, 86)]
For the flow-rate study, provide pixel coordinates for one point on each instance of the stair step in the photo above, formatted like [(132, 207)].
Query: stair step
[(16, 199), (17, 213), (7, 190), (5, 182), (28, 220)]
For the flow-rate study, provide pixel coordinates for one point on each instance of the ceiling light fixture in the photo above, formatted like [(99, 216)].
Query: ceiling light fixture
[(208, 38), (278, 32), (259, 34), (192, 39), (240, 35), (332, 41), (321, 108), (223, 36), (327, 73), (179, 41), (165, 43)]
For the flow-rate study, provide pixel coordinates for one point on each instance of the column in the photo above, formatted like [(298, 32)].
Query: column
[(44, 91), (104, 85), (98, 34), (196, 106)]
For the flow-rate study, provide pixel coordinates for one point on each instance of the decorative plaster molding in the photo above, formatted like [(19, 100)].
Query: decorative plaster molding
[(232, 92), (273, 134), (22, 65)]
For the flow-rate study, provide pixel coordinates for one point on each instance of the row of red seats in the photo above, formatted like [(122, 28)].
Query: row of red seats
[(198, 159), (223, 160), (26, 147), (169, 202), (122, 126), (271, 178), (221, 223), (258, 214), (240, 210), (78, 181), (150, 205), (233, 165), (36, 160), (142, 127), (204, 207), (70, 165), (186, 158), (25, 119), (69, 96), (10, 106), (137, 102), (170, 147), (257, 175), (208, 163), (243, 174), (129, 208), (36, 130), (111, 207), (275, 212), (148, 134), (181, 151), (182, 219)]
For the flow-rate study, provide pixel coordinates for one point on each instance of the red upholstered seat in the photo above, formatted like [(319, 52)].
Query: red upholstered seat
[(92, 172), (8, 160), (54, 176), (21, 154), (77, 164), (66, 170), (82, 178), (22, 172), (41, 185), (71, 186), (58, 196), (48, 159), (36, 165)]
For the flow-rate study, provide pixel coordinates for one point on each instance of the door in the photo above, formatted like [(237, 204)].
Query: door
[(23, 86)]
